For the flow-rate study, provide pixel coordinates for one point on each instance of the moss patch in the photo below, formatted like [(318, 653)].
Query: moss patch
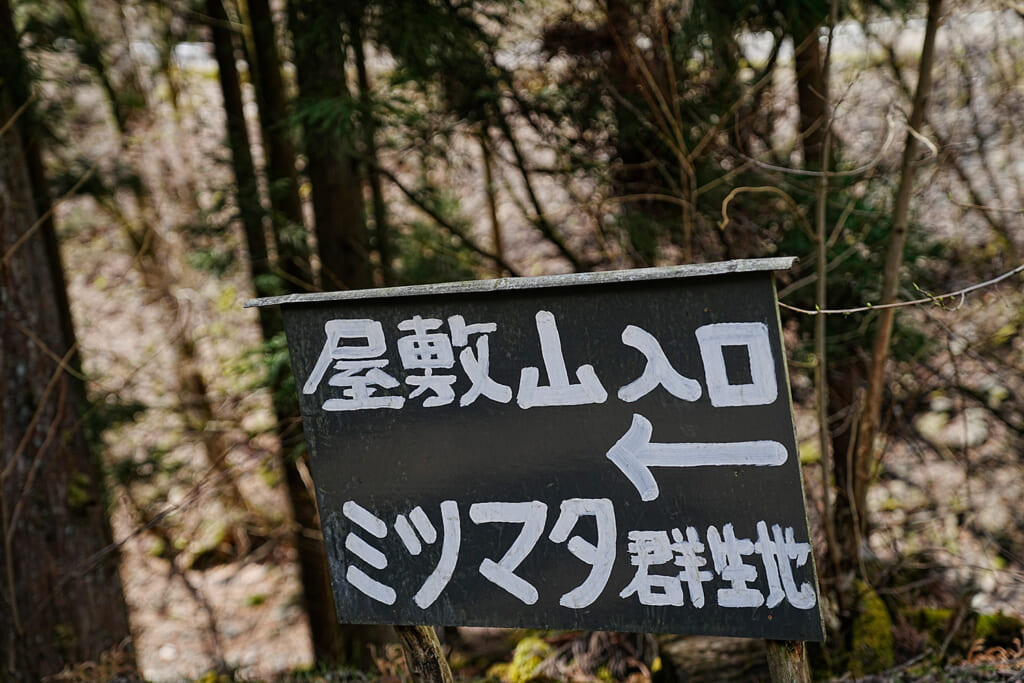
[(498, 672), (530, 652), (81, 492), (871, 648), (998, 629)]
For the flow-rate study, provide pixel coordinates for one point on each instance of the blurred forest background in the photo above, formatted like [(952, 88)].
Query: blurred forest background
[(163, 161)]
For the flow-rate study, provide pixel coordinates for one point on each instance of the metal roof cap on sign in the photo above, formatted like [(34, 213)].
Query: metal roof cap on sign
[(540, 282)]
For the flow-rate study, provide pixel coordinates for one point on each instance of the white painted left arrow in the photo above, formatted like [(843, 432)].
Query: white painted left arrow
[(635, 455)]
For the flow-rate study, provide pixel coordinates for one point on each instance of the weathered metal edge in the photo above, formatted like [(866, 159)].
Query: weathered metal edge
[(538, 282)]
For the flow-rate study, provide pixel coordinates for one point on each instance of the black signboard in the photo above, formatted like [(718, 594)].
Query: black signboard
[(609, 451)]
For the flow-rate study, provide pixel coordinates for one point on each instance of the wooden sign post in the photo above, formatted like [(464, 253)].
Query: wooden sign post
[(610, 451)]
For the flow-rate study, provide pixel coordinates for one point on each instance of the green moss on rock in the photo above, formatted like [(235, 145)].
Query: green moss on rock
[(498, 672), (530, 652), (998, 629), (871, 647)]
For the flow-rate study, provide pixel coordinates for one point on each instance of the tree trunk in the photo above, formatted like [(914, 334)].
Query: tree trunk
[(282, 178), (318, 598), (60, 594), (787, 662), (246, 186), (341, 236), (811, 91), (865, 458), (423, 653), (497, 244), (151, 254), (331, 642), (370, 168), (331, 164), (845, 386)]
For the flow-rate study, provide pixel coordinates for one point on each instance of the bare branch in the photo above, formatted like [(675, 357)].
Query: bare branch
[(17, 114), (769, 189), (916, 302), (422, 204), (9, 254)]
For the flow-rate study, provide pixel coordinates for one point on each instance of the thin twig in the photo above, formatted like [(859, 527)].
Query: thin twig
[(9, 254), (771, 189), (986, 207), (902, 304), (890, 134), (36, 416), (17, 114), (424, 205), (821, 301), (48, 351), (37, 464)]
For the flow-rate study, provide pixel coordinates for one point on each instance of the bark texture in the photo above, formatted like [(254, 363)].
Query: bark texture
[(337, 186), (282, 177), (423, 652), (811, 90), (246, 184), (787, 662), (60, 594)]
